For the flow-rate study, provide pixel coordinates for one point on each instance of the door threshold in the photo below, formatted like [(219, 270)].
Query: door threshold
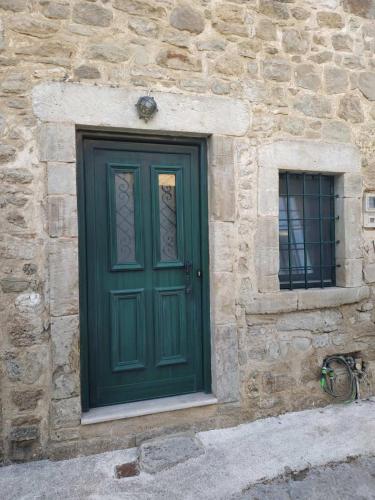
[(148, 407)]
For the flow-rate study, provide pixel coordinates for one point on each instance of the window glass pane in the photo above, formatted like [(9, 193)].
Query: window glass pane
[(312, 206), (124, 205), (312, 230), (295, 207), (311, 184), (296, 231), (326, 185), (167, 217), (295, 184), (283, 207), (282, 184)]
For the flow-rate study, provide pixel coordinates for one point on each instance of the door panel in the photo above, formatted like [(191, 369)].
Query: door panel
[(143, 251), (127, 329), (170, 326)]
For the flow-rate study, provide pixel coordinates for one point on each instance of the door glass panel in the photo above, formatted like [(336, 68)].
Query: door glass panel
[(125, 227), (167, 217)]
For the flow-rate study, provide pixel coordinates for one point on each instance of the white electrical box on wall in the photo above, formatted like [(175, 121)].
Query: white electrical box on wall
[(369, 210)]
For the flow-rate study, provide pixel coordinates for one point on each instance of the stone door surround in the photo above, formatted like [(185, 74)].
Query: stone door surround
[(62, 108)]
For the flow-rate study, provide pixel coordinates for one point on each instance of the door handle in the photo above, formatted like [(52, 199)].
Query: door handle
[(188, 272)]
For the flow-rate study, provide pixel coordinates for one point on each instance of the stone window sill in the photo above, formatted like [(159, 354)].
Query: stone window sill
[(301, 300), (149, 407)]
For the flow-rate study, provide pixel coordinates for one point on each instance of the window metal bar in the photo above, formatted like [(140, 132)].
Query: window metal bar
[(304, 227), (333, 235), (311, 194), (321, 231), (325, 242), (288, 223), (311, 218)]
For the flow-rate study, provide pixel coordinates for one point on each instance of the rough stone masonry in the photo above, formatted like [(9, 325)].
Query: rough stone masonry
[(305, 70)]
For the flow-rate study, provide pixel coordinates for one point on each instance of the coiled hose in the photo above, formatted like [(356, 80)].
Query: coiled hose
[(328, 380)]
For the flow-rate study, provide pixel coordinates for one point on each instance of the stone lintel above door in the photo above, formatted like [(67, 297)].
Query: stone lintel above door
[(115, 107)]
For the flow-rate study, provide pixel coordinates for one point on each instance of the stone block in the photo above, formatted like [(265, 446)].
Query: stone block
[(348, 228), (161, 454), (178, 59), (91, 14), (87, 72), (57, 142), (28, 367), (268, 283), (113, 52), (268, 192), (330, 297), (25, 433), (336, 80), (140, 8), (267, 232), (64, 338), (295, 42), (276, 69), (27, 400), (350, 109), (33, 25), (223, 245), (328, 19), (314, 106), (307, 77), (222, 204), (349, 185), (225, 363), (317, 321), (61, 178), (369, 272), (13, 5), (57, 102), (14, 285), (65, 413), (272, 303), (65, 385), (223, 298), (366, 84), (62, 216), (274, 9), (342, 42), (362, 8), (63, 265), (310, 156), (184, 17), (349, 273), (336, 131)]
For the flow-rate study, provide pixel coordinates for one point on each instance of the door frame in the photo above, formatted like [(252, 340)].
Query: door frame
[(105, 134)]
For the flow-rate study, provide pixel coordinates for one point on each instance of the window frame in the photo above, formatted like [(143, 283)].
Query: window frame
[(322, 275)]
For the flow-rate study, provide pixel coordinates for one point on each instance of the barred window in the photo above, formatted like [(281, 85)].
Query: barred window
[(306, 231)]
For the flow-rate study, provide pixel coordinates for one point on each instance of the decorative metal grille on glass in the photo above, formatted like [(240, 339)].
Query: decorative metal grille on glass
[(125, 227), (307, 231), (167, 217)]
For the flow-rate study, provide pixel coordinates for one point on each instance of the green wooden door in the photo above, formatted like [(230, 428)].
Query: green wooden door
[(143, 267)]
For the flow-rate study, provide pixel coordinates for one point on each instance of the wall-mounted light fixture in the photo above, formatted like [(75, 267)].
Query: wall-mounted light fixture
[(146, 107)]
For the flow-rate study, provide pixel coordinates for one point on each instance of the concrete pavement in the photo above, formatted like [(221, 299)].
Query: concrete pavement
[(232, 460)]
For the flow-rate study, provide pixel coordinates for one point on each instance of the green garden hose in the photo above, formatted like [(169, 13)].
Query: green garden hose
[(328, 379)]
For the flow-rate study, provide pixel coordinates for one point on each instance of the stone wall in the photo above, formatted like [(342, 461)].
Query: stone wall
[(304, 68)]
